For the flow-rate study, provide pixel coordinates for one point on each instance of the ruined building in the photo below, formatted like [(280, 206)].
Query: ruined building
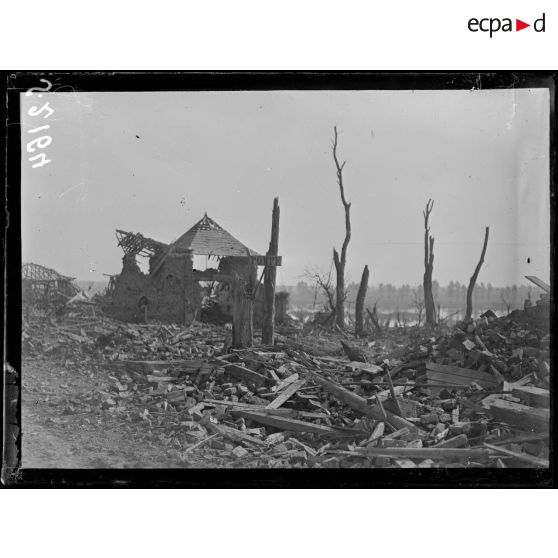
[(44, 285), (173, 290)]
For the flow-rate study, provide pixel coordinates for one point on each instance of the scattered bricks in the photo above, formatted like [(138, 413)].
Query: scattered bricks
[(445, 417), (448, 405), (430, 418), (439, 428), (239, 452), (459, 428)]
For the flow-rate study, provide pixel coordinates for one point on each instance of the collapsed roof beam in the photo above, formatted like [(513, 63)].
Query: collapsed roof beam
[(136, 243)]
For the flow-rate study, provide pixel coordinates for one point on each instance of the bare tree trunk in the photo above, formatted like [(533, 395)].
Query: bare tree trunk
[(470, 288), (340, 261), (359, 306), (430, 309), (270, 275)]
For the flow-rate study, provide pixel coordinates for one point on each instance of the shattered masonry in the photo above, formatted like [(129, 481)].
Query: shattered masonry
[(171, 290)]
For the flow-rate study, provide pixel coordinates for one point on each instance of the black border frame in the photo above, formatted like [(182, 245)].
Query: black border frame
[(17, 82)]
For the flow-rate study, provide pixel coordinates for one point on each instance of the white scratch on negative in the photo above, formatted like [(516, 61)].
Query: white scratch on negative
[(70, 189)]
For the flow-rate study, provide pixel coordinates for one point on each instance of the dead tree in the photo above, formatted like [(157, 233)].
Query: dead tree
[(470, 288), (374, 317), (270, 276), (428, 267), (506, 304), (340, 261), (359, 305), (418, 301)]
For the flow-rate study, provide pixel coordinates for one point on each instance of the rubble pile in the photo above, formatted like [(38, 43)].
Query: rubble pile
[(474, 396)]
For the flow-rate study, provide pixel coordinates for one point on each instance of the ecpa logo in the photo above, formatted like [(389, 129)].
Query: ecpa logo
[(494, 24)]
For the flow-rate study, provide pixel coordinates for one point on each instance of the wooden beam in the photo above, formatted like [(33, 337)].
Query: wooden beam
[(541, 284), (458, 375), (212, 276), (525, 457), (286, 394), (268, 260), (453, 454), (521, 417), (361, 405), (532, 396), (288, 424), (246, 374)]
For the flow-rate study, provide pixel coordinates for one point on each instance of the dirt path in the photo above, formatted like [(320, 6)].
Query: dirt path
[(56, 435)]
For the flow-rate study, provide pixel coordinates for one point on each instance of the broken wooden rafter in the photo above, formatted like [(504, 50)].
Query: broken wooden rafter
[(525, 457), (289, 424), (532, 396), (520, 416), (361, 405), (453, 454), (247, 375), (457, 375), (286, 394)]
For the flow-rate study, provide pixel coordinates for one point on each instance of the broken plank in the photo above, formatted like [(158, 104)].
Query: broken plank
[(157, 379), (377, 433), (286, 382), (397, 434), (525, 457), (532, 396), (455, 374), (246, 374), (454, 454), (393, 395), (230, 433), (520, 416), (286, 394), (449, 380), (287, 424), (360, 404), (455, 442), (521, 439), (365, 367), (201, 443), (235, 404), (399, 390)]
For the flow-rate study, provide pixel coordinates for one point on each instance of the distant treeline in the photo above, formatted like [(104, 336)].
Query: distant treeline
[(452, 296)]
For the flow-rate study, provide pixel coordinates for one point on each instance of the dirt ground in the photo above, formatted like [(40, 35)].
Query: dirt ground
[(56, 434)]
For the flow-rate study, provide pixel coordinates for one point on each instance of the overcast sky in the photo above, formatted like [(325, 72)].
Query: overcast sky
[(154, 162)]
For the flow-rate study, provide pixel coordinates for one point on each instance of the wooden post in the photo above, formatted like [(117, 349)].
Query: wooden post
[(270, 275), (359, 306), (242, 333)]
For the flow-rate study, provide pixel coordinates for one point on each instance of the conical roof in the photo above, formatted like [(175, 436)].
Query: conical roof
[(207, 238)]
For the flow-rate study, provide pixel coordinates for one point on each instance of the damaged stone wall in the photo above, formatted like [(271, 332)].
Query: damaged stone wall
[(171, 295)]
